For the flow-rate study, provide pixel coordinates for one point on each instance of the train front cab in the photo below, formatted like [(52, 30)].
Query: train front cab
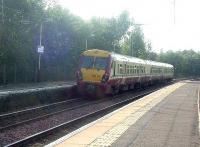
[(93, 73)]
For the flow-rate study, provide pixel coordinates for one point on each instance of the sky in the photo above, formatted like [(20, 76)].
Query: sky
[(156, 15)]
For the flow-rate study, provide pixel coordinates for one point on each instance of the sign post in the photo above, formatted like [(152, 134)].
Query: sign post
[(40, 52)]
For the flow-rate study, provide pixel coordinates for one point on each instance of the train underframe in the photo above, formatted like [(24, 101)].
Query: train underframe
[(115, 85)]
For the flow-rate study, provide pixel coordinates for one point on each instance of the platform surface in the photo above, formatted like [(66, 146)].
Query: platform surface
[(166, 118), (23, 88)]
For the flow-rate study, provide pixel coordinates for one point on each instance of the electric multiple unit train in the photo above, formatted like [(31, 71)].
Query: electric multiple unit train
[(101, 72)]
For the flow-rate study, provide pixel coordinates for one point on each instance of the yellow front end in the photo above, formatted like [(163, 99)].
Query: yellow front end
[(92, 75), (94, 65)]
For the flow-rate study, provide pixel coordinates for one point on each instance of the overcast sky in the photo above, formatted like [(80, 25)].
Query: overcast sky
[(157, 15)]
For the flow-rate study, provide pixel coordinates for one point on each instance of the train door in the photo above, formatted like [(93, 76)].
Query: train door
[(113, 69)]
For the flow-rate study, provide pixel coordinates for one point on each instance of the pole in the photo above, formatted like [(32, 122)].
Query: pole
[(174, 11), (2, 9), (41, 27), (39, 62), (131, 48), (39, 59), (86, 44)]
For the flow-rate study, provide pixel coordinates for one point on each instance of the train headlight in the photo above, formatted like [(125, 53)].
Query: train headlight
[(105, 78)]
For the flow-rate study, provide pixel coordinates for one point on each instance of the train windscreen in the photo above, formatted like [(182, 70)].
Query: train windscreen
[(87, 62), (99, 63)]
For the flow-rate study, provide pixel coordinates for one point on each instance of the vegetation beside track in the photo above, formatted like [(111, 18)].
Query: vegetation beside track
[(64, 37)]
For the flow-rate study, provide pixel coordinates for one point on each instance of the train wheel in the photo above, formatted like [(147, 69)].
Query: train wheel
[(115, 90)]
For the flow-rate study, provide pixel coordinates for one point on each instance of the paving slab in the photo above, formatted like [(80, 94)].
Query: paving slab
[(171, 123), (165, 118)]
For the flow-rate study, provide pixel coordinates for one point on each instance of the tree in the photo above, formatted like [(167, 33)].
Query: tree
[(134, 43), (186, 63), (108, 32), (17, 34)]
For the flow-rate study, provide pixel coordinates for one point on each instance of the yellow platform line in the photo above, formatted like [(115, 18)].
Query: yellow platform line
[(198, 94), (108, 129)]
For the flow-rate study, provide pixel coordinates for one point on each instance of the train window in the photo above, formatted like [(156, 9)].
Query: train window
[(137, 70), (120, 69), (133, 68), (88, 62), (113, 66), (117, 68), (127, 69), (101, 63), (152, 70)]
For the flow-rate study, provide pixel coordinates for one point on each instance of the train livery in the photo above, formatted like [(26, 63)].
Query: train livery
[(101, 72)]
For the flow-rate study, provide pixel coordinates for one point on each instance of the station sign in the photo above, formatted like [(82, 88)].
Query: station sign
[(40, 49)]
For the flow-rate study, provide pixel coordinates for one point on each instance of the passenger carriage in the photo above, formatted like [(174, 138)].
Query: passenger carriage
[(102, 72)]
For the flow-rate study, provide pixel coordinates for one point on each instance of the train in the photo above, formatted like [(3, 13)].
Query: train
[(102, 72)]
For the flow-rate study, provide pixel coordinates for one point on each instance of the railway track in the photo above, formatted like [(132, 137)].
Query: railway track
[(118, 102), (13, 119)]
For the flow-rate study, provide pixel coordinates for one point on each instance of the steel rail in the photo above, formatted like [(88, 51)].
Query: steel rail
[(51, 114), (31, 110), (34, 108), (9, 126), (57, 128)]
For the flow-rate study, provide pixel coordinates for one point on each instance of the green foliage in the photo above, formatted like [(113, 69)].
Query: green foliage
[(186, 63), (64, 37), (17, 37), (108, 32), (134, 43)]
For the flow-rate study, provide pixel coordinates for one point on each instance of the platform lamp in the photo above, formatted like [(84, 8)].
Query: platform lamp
[(40, 49)]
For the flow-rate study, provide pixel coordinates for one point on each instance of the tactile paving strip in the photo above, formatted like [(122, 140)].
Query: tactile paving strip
[(116, 124), (112, 135)]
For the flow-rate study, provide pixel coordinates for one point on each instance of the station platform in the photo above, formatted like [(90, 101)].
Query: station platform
[(22, 96), (24, 88), (168, 117)]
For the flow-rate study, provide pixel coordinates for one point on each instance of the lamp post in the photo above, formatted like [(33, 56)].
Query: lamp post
[(174, 11), (2, 11), (41, 48), (86, 41), (86, 44), (40, 51)]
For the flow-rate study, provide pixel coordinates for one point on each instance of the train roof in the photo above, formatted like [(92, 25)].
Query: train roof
[(127, 58), (103, 53), (139, 61), (160, 64)]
